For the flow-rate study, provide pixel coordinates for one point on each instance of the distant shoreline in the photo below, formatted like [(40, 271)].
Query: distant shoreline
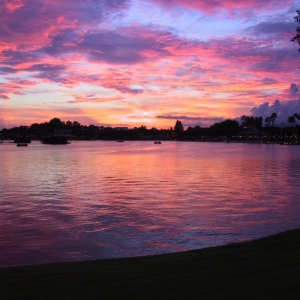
[(267, 268), (238, 141)]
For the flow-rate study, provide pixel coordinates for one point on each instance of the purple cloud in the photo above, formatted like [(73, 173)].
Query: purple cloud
[(123, 88), (31, 18), (15, 57), (91, 42), (3, 97), (7, 70), (268, 81), (273, 28), (283, 109), (192, 121), (293, 90), (49, 71), (46, 68), (125, 47)]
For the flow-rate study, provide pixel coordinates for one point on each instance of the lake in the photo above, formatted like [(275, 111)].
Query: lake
[(102, 199)]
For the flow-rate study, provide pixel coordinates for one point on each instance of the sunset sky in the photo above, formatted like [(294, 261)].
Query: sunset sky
[(147, 62)]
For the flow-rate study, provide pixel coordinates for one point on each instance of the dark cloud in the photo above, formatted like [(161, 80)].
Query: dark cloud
[(193, 121), (273, 28)]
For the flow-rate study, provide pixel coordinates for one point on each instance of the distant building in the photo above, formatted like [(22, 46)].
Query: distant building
[(253, 133)]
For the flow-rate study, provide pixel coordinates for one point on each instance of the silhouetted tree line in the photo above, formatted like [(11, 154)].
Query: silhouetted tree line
[(226, 130)]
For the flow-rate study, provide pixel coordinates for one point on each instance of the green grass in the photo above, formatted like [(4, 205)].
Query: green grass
[(267, 268)]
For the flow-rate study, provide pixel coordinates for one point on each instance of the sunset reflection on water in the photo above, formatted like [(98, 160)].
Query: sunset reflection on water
[(93, 200)]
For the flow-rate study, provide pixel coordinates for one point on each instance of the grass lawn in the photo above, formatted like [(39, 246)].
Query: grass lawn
[(268, 268)]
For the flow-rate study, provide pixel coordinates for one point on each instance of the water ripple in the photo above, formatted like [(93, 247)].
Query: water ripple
[(91, 200)]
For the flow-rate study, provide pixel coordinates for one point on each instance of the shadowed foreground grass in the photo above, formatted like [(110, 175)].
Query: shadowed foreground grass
[(267, 268)]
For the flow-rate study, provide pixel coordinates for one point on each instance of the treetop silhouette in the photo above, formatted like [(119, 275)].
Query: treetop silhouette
[(296, 38)]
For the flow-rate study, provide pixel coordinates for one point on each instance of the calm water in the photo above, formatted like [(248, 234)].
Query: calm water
[(95, 200)]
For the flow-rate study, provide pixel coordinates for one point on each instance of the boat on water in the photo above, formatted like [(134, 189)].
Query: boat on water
[(22, 145), (22, 140), (157, 142), (55, 140)]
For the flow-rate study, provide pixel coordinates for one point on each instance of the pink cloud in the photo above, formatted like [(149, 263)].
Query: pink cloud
[(232, 6), (22, 82), (39, 20), (93, 99), (79, 44), (136, 45), (14, 86)]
